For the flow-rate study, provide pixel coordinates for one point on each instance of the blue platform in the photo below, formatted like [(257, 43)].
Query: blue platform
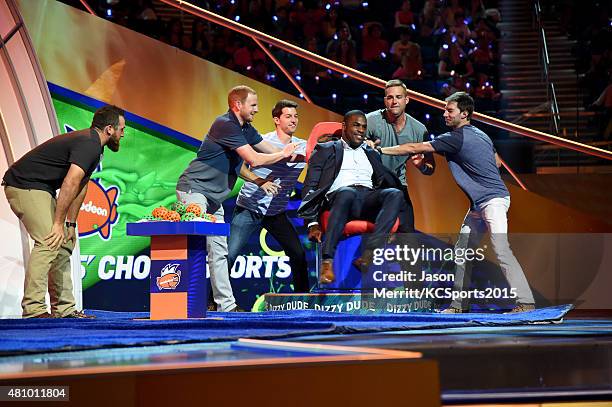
[(158, 228)]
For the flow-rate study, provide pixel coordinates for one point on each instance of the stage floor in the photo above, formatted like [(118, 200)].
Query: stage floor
[(569, 360)]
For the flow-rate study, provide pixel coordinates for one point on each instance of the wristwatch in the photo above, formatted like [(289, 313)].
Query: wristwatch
[(379, 149), (70, 224)]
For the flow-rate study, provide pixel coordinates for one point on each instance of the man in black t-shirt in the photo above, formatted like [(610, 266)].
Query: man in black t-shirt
[(64, 162)]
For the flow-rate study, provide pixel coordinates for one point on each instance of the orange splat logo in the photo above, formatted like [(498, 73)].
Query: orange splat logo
[(98, 212)]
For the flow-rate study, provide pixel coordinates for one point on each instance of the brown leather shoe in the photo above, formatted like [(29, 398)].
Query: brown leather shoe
[(520, 307), (43, 315), (363, 263), (79, 315), (451, 310), (327, 272)]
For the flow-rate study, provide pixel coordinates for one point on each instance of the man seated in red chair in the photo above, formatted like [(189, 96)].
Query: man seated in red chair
[(348, 178)]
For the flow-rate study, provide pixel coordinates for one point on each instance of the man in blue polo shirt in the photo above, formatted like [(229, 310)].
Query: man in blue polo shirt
[(263, 199), (210, 177), (475, 166)]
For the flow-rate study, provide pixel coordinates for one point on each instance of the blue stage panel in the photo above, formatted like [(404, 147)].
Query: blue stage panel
[(177, 228)]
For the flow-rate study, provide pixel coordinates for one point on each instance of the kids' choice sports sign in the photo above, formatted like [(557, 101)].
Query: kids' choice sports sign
[(128, 185)]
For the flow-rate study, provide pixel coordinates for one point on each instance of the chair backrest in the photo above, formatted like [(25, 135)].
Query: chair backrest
[(322, 129)]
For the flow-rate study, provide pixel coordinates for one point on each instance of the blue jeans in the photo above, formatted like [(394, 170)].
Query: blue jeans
[(245, 223)]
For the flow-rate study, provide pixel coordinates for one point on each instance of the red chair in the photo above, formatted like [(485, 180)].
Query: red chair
[(353, 227)]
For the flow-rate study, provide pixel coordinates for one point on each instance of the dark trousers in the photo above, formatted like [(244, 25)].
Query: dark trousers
[(246, 222), (406, 214), (380, 206)]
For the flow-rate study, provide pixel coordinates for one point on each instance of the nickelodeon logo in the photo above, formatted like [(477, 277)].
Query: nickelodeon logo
[(99, 213), (91, 208)]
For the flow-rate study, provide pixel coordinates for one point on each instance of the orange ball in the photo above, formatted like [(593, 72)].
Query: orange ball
[(172, 216), (194, 208), (159, 212)]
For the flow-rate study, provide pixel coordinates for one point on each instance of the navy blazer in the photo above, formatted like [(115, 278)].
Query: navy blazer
[(323, 168)]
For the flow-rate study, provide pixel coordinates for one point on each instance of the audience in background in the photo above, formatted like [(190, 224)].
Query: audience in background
[(434, 45)]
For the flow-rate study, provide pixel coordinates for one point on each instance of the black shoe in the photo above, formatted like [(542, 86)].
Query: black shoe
[(78, 315), (236, 309)]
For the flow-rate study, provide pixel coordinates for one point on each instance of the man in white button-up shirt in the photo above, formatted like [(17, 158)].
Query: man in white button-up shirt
[(348, 178)]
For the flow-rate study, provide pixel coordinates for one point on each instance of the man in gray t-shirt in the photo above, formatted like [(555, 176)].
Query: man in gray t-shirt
[(474, 164), (392, 126), (210, 177)]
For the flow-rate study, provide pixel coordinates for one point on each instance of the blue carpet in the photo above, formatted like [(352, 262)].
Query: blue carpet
[(113, 329)]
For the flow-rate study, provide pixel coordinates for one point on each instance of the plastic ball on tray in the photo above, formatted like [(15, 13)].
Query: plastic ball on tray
[(188, 216), (172, 216), (193, 208), (209, 218), (179, 207), (160, 212)]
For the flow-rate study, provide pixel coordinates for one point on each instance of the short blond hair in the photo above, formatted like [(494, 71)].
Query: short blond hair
[(239, 94), (396, 82)]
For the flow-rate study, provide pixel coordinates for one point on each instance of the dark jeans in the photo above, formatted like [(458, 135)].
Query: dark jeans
[(380, 206), (245, 223)]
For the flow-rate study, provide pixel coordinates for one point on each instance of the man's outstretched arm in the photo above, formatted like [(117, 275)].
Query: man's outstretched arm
[(407, 149)]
